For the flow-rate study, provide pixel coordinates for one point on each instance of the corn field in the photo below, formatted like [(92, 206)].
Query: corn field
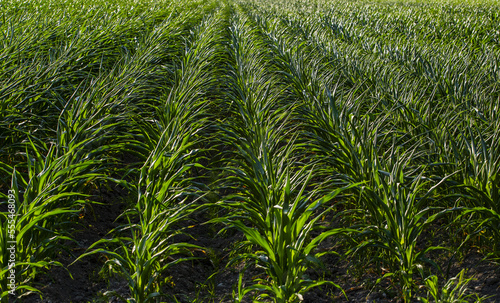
[(283, 150)]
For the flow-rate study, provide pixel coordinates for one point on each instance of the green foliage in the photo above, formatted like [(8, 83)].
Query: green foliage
[(455, 290), (383, 115)]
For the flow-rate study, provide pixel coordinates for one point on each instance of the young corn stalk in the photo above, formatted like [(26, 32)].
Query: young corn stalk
[(163, 201), (46, 198), (479, 164), (399, 211)]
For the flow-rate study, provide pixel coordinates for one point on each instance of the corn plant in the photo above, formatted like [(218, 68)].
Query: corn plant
[(400, 211), (47, 196), (286, 247), (162, 202), (455, 290), (481, 185)]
